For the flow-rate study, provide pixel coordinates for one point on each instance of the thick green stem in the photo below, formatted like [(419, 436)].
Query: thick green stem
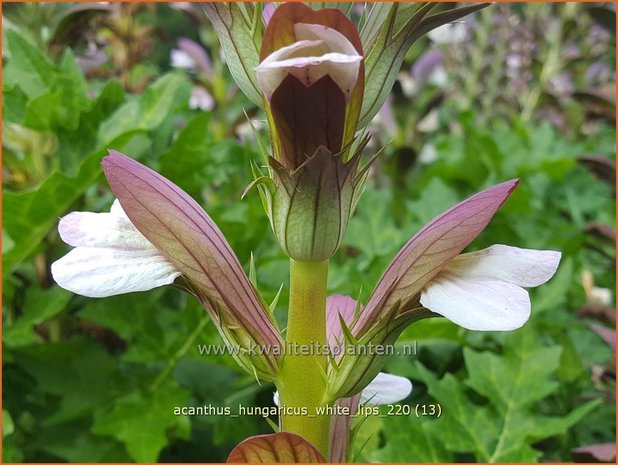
[(301, 382)]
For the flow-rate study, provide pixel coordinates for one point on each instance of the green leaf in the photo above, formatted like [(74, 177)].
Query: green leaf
[(372, 229), (554, 294), (504, 429), (431, 330), (411, 439), (192, 157), (81, 368), (526, 371), (148, 112), (10, 452), (73, 90), (28, 67), (30, 215), (436, 197), (40, 306), (8, 427), (142, 329), (60, 100), (13, 103), (240, 29), (75, 443), (161, 98), (126, 117), (208, 381), (275, 448), (75, 145), (140, 421)]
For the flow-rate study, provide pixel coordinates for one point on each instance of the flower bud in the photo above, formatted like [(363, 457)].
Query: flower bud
[(311, 206), (312, 76)]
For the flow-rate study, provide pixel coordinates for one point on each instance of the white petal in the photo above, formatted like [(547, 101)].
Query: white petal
[(302, 48), (343, 69), (270, 75), (450, 33), (319, 51), (181, 59), (386, 389), (524, 267), (104, 271), (334, 40), (477, 303), (112, 229), (276, 398)]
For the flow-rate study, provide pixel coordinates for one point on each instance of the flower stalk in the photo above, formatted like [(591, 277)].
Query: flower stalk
[(302, 378), (307, 68)]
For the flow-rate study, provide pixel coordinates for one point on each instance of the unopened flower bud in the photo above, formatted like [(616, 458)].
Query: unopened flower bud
[(312, 76)]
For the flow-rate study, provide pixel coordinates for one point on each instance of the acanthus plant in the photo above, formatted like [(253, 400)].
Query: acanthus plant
[(320, 82)]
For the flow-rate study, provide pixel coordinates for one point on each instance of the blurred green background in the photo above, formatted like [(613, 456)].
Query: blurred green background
[(517, 90)]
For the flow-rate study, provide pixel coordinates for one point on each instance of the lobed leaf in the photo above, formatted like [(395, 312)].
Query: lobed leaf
[(512, 383), (140, 421)]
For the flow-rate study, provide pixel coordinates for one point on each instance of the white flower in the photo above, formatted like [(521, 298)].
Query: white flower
[(200, 99), (438, 77), (319, 51), (450, 33), (181, 59), (483, 290), (595, 295), (110, 256), (384, 389)]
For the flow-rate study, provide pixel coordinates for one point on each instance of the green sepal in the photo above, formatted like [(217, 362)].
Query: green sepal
[(258, 139), (252, 271), (256, 182), (273, 304), (352, 373), (311, 205), (262, 367), (264, 189)]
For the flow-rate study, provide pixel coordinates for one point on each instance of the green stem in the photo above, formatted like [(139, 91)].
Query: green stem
[(171, 363), (301, 381)]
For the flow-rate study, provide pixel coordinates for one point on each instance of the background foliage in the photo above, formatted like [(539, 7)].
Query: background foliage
[(520, 90)]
